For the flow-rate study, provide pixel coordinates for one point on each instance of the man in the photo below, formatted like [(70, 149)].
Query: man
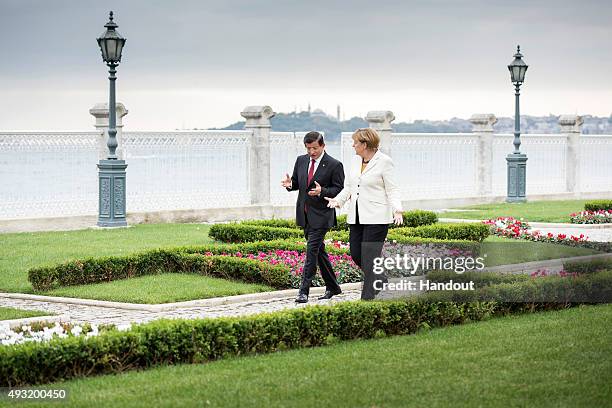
[(316, 175)]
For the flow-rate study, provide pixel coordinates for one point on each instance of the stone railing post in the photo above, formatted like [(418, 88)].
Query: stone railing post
[(100, 112), (483, 128), (381, 122), (571, 127), (258, 121)]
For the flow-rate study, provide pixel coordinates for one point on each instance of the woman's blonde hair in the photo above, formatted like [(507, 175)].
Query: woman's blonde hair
[(367, 136)]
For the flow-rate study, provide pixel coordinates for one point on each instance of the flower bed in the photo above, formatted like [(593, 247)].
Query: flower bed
[(40, 332), (345, 269), (510, 227), (591, 217)]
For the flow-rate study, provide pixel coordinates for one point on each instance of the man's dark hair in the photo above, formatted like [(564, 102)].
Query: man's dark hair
[(314, 137)]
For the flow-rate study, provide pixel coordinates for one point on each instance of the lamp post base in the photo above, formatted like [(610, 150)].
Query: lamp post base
[(111, 184), (517, 171)]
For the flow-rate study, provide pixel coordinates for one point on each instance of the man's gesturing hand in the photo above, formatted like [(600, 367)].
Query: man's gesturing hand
[(286, 182), (332, 203), (315, 191)]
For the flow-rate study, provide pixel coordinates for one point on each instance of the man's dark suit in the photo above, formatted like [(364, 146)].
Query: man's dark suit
[(315, 217)]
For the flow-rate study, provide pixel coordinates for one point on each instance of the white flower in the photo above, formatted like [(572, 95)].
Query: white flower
[(124, 327), (76, 330)]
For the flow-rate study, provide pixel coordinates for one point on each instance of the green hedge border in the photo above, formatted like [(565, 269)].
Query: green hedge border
[(238, 233), (412, 218), (197, 341), (596, 205), (106, 269)]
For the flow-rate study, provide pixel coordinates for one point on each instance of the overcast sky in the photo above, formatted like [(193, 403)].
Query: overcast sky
[(198, 63)]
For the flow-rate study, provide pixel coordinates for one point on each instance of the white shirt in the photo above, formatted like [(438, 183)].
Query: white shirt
[(316, 165)]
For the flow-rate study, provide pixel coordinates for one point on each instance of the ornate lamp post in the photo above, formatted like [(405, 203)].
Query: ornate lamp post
[(517, 162), (111, 172)]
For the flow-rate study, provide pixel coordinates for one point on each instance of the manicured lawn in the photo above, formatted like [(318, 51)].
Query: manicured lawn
[(8, 313), (164, 288), (542, 211), (504, 251), (551, 359), (19, 252)]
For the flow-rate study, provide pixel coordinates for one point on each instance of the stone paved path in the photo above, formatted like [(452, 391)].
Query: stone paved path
[(108, 315)]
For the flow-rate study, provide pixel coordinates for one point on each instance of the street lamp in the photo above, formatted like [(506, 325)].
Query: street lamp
[(111, 173), (517, 162)]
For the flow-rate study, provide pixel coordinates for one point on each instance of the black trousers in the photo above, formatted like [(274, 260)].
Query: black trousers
[(316, 255), (366, 243)]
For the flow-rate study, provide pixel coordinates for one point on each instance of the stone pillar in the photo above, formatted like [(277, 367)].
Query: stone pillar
[(571, 127), (100, 112), (258, 121), (381, 122), (482, 127)]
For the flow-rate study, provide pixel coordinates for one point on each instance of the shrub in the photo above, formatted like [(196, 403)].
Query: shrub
[(94, 270), (249, 233), (412, 218), (480, 279), (275, 222), (181, 260), (595, 205), (462, 231), (592, 266), (544, 292)]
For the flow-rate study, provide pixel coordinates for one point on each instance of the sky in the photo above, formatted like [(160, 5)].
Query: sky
[(197, 64)]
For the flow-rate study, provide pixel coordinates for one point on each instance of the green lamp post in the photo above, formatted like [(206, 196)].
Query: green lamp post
[(111, 171), (517, 161)]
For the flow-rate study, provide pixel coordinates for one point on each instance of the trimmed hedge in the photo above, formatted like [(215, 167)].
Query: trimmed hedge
[(275, 222), (250, 232), (541, 291), (460, 231), (179, 260), (254, 247), (596, 205), (95, 270), (197, 341), (480, 279), (596, 265), (412, 218)]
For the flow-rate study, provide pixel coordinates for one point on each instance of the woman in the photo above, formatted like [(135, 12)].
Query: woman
[(374, 203)]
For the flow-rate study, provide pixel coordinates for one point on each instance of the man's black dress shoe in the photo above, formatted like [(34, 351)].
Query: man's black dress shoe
[(328, 294), (302, 298)]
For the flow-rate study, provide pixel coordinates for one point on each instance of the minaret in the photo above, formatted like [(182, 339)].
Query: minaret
[(309, 108), (338, 112)]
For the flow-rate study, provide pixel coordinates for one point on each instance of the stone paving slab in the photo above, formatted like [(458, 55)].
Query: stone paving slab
[(107, 315)]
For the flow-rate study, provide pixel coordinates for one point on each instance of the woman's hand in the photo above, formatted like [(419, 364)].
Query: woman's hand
[(332, 203), (398, 218)]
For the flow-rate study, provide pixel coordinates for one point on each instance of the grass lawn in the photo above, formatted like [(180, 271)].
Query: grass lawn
[(535, 211), (19, 252), (552, 359), (164, 288), (504, 251), (8, 313)]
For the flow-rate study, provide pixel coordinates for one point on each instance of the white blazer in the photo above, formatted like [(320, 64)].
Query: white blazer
[(375, 190)]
